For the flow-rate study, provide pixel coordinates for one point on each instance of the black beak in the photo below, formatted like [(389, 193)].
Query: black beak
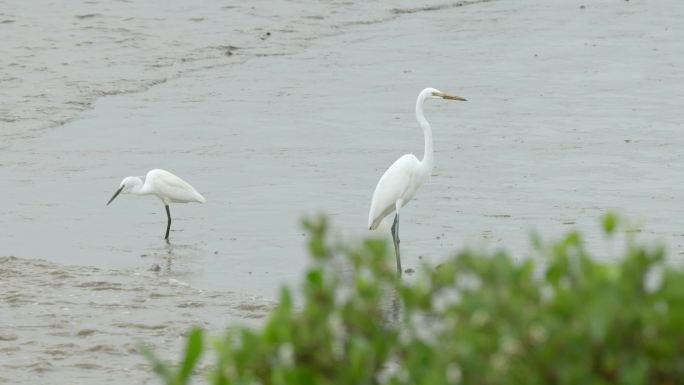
[(115, 194)]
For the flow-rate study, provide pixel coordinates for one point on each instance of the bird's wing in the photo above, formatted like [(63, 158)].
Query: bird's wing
[(173, 187), (392, 186)]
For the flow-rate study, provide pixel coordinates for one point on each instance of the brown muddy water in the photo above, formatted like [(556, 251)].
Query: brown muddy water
[(275, 110), (78, 324)]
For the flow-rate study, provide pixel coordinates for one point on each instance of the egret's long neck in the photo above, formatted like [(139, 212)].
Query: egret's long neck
[(428, 154), (138, 188)]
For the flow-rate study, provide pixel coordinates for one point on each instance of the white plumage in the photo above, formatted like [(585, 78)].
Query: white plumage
[(401, 180), (399, 183), (166, 186), (170, 188)]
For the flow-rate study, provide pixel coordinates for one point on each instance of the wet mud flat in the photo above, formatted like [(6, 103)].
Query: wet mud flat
[(59, 59), (553, 134), (82, 325)]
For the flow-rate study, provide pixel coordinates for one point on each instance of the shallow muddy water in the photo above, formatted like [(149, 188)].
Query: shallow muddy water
[(75, 324), (567, 116)]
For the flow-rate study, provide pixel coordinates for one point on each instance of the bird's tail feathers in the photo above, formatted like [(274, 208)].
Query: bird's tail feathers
[(381, 225)]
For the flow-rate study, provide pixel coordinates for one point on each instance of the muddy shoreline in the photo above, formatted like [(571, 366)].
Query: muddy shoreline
[(74, 324)]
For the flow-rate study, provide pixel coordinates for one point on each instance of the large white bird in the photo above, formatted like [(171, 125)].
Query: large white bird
[(399, 183), (165, 185)]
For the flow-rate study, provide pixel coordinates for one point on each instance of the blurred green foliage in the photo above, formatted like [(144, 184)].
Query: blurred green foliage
[(558, 317)]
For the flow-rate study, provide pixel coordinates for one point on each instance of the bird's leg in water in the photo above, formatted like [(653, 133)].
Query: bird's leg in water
[(168, 226), (396, 306), (395, 238)]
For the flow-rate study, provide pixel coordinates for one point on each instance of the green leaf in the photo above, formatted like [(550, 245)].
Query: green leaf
[(478, 317), (193, 351), (609, 221), (159, 367)]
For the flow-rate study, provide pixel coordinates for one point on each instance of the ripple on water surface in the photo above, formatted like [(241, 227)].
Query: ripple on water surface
[(64, 322)]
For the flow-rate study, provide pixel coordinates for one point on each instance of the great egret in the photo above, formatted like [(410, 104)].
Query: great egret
[(399, 183), (166, 186)]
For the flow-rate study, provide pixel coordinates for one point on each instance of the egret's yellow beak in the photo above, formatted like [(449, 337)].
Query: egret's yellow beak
[(444, 95)]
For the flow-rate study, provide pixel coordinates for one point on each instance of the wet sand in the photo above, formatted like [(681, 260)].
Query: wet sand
[(568, 115), (60, 58), (66, 324)]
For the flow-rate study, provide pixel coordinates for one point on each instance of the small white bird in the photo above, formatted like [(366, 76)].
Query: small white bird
[(399, 183), (166, 186)]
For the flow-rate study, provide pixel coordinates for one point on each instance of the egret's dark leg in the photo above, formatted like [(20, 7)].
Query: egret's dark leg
[(168, 226), (395, 238)]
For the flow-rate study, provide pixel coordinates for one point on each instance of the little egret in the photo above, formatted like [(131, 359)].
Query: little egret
[(166, 186), (399, 183)]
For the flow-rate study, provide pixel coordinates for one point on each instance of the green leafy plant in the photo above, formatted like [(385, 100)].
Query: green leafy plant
[(181, 375), (558, 317)]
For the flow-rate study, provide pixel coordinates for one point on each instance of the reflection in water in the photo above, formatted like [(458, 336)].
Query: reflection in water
[(396, 307), (175, 260), (169, 257)]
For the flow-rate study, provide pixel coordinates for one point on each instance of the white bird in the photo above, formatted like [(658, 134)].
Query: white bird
[(399, 183), (165, 185)]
